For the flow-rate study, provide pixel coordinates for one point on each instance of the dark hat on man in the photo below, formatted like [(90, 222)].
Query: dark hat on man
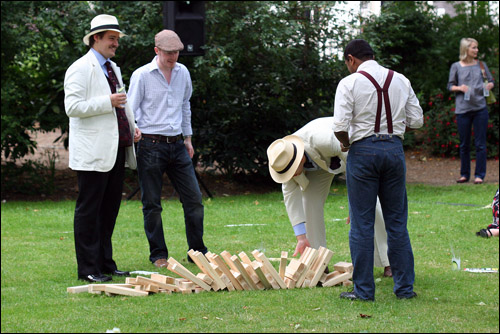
[(358, 48)]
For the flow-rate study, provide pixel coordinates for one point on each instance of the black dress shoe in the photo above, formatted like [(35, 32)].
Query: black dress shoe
[(95, 278), (412, 295), (351, 295), (120, 273)]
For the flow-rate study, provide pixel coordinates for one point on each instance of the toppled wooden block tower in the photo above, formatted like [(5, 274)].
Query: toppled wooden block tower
[(230, 272)]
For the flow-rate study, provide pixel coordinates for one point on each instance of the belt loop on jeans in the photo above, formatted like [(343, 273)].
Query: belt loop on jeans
[(168, 139)]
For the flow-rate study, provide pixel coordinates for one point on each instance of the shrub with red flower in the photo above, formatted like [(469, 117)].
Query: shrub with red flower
[(439, 135)]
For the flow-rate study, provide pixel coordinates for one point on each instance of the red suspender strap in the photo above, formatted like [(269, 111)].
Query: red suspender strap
[(385, 91)]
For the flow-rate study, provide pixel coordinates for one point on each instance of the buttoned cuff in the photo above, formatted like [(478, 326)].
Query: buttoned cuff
[(299, 229)]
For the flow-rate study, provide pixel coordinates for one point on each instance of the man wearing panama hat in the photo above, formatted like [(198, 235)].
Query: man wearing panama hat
[(306, 163), (101, 134)]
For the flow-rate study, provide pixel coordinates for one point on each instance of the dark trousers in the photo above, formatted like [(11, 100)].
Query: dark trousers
[(479, 120), (154, 158), (96, 210)]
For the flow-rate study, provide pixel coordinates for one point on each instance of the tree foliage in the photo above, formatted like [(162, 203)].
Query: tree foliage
[(265, 73)]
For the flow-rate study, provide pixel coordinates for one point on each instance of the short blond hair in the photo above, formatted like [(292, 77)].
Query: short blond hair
[(464, 45)]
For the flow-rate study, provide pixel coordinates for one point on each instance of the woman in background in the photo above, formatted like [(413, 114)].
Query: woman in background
[(466, 80)]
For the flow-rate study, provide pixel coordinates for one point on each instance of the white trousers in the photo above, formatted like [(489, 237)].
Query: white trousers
[(309, 205)]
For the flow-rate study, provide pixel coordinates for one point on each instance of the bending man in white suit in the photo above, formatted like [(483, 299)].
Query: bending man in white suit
[(305, 163)]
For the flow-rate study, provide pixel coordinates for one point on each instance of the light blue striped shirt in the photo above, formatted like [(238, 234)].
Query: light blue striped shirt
[(161, 108)]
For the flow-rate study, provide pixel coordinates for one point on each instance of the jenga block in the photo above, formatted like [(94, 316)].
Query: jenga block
[(78, 289), (198, 289), (311, 256), (98, 288), (186, 291), (130, 280), (241, 280), (257, 267), (290, 283), (162, 278), (271, 281), (269, 268), (338, 279), (247, 264), (227, 257), (294, 269), (347, 283), (181, 271), (283, 262), (239, 267), (214, 258), (229, 285), (322, 263), (151, 288), (205, 278), (145, 281), (118, 290), (343, 267), (201, 261), (187, 285)]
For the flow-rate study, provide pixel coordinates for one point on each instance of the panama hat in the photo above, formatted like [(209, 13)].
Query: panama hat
[(168, 40), (284, 157), (102, 23)]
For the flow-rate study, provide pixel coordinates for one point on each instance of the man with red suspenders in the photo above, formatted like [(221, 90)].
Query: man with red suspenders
[(376, 164)]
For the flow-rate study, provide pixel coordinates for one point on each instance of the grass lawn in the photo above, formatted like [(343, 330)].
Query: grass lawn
[(38, 264)]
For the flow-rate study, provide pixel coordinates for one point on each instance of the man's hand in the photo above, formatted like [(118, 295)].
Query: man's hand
[(137, 135), (302, 243), (189, 146), (118, 100), (344, 148)]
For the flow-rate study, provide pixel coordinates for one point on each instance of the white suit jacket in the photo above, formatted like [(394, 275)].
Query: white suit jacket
[(321, 146), (93, 125)]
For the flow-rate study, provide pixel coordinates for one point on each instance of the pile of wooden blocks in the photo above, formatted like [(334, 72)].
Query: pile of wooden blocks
[(234, 273)]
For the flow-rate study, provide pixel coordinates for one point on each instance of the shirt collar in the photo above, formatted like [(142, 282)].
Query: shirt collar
[(100, 57), (367, 64), (154, 65)]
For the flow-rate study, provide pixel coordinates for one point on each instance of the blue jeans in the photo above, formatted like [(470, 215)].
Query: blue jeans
[(154, 158), (478, 119), (376, 166)]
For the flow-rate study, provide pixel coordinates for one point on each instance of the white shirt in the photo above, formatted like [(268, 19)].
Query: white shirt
[(161, 108), (356, 104)]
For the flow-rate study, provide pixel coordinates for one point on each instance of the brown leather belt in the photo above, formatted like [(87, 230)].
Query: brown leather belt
[(168, 139)]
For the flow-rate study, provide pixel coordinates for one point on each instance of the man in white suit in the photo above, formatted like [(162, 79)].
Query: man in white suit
[(306, 163), (101, 134)]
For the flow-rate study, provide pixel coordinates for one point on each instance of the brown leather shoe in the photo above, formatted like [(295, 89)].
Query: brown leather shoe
[(161, 263), (387, 271)]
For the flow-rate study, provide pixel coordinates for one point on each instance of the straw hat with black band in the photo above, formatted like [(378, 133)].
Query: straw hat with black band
[(102, 23), (284, 157)]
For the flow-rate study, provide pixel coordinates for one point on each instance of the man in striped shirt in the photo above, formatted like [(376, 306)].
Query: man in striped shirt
[(159, 95)]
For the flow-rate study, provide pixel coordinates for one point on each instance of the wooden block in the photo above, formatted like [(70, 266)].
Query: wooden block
[(290, 283), (241, 280), (239, 267), (202, 262), (214, 258), (118, 290), (322, 263), (78, 289), (269, 268), (343, 267), (130, 280), (271, 281), (338, 279), (347, 283), (145, 281), (229, 285), (98, 288), (205, 278), (283, 262), (186, 291), (163, 278), (247, 264), (227, 257), (181, 271), (257, 267), (153, 288), (198, 289), (294, 269), (309, 259), (187, 285)]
